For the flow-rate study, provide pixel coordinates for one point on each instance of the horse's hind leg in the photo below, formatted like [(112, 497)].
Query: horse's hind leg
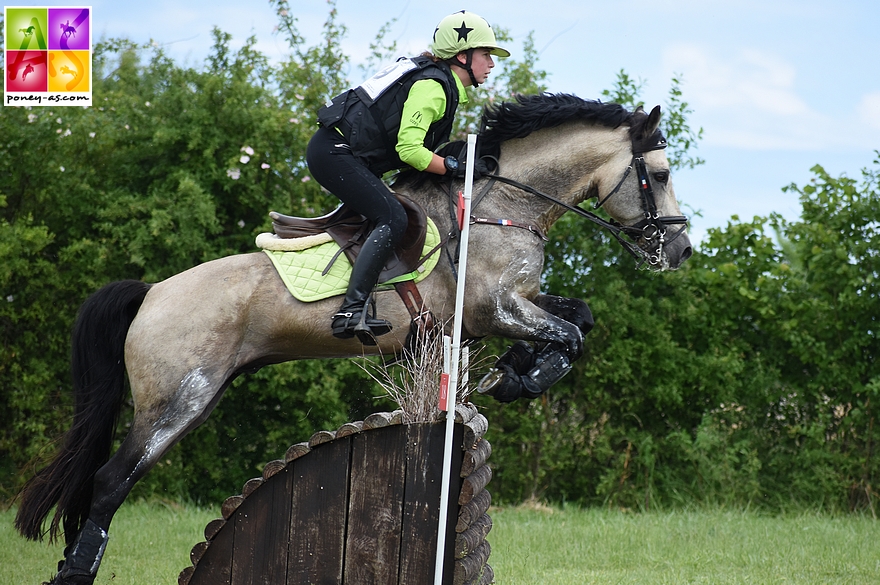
[(153, 432)]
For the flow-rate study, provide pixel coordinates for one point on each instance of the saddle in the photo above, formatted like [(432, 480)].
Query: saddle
[(350, 229)]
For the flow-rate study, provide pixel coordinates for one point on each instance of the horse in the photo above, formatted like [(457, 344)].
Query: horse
[(67, 30), (182, 341)]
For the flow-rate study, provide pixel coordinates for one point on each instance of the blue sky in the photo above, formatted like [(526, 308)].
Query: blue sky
[(777, 85)]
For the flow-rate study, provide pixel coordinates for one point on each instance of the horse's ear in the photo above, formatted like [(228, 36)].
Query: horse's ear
[(653, 122)]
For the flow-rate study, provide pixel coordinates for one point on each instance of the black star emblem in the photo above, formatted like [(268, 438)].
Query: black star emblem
[(462, 31)]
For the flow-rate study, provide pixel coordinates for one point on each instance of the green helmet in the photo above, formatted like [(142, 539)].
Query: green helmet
[(462, 31)]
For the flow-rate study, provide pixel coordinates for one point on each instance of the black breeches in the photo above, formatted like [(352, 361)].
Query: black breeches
[(334, 166)]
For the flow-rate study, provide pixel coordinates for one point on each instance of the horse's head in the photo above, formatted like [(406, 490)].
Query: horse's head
[(580, 149), (640, 195)]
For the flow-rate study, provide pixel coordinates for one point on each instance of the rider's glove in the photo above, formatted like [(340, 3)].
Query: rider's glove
[(458, 168)]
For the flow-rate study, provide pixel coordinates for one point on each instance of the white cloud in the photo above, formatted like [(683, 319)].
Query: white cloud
[(749, 99), (869, 110), (746, 78)]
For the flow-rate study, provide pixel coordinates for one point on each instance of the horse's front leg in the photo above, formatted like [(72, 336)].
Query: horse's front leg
[(526, 371), (572, 311), (542, 318)]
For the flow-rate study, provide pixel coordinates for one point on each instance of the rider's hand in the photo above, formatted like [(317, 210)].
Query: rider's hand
[(458, 169)]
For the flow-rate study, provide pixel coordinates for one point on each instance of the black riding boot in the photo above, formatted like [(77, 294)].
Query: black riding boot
[(352, 319)]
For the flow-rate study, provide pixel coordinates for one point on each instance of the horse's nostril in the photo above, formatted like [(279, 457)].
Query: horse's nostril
[(686, 253)]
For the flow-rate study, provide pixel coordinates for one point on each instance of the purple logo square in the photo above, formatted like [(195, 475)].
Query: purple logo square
[(69, 28)]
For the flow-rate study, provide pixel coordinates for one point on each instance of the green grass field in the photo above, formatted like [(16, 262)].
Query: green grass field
[(150, 545), (577, 547)]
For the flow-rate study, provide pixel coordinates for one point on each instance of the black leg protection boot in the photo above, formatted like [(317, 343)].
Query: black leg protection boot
[(83, 556), (523, 372), (504, 381), (551, 365), (352, 319)]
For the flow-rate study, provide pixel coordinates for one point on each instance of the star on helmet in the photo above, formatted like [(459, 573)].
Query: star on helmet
[(463, 31)]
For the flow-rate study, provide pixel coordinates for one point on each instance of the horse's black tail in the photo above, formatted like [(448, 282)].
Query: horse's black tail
[(98, 368)]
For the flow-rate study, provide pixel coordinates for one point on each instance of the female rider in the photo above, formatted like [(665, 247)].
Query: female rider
[(396, 119)]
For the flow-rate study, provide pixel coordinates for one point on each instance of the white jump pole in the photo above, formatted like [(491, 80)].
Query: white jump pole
[(448, 404)]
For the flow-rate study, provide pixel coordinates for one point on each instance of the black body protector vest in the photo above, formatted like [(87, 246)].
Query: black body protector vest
[(369, 115)]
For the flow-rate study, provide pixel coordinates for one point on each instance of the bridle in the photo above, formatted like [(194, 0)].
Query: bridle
[(648, 237), (653, 228)]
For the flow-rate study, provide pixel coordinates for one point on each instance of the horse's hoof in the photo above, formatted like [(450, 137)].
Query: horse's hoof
[(490, 382), (502, 384)]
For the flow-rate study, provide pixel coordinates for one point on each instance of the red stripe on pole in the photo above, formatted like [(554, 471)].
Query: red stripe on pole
[(444, 391), (460, 211)]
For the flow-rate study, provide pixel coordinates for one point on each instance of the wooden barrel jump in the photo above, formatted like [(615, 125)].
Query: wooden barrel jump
[(354, 506)]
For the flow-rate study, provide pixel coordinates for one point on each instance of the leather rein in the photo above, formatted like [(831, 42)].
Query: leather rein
[(651, 230)]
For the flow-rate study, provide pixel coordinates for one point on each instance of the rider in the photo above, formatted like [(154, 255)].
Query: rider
[(395, 120)]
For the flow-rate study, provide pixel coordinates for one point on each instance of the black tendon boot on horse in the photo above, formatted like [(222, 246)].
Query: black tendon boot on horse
[(352, 319), (82, 557), (525, 371)]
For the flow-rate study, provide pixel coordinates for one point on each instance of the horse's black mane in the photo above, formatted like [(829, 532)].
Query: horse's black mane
[(529, 113)]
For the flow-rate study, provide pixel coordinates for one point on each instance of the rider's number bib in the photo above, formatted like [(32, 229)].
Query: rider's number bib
[(381, 81)]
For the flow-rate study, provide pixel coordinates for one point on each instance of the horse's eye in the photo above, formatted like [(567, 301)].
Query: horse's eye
[(661, 177)]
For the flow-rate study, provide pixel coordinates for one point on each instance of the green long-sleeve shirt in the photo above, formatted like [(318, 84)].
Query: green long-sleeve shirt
[(425, 104)]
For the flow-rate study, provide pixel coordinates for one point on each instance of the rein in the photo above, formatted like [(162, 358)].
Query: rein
[(612, 226), (652, 229)]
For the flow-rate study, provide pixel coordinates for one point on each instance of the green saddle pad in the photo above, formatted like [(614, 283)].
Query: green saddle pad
[(301, 270)]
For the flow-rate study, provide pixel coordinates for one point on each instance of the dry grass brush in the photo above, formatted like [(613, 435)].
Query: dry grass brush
[(412, 381)]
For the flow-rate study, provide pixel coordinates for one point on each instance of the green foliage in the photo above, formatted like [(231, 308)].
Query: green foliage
[(681, 137), (172, 167), (511, 76)]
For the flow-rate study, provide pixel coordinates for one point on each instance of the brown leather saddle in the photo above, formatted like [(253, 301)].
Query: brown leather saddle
[(350, 229)]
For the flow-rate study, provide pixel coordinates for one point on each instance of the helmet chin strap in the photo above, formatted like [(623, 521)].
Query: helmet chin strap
[(467, 66)]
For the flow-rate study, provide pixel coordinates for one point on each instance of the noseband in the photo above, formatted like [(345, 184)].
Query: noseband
[(648, 236)]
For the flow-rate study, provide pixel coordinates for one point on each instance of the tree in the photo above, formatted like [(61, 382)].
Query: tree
[(172, 167), (681, 138)]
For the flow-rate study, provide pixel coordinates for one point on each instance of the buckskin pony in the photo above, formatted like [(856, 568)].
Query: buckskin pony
[(182, 341)]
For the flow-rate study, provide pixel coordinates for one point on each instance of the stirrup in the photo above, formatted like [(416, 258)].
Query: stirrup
[(357, 323)]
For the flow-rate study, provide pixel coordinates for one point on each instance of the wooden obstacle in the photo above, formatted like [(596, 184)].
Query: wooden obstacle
[(357, 505)]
